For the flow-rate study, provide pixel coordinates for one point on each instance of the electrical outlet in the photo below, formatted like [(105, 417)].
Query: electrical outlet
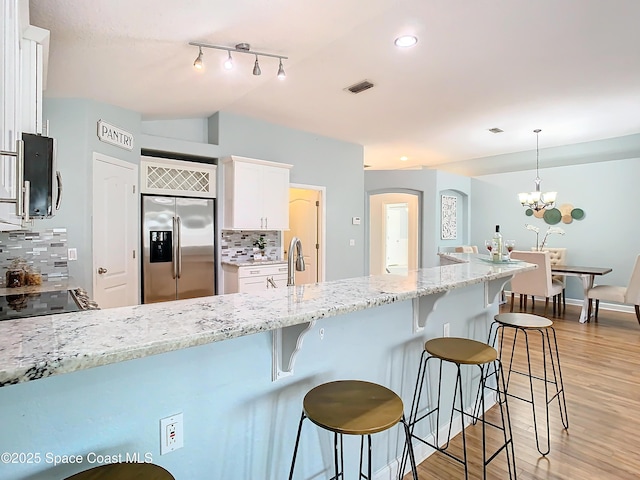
[(445, 330), (72, 254), (352, 243), (171, 433)]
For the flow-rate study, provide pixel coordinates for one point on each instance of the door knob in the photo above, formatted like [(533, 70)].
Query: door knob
[(102, 270)]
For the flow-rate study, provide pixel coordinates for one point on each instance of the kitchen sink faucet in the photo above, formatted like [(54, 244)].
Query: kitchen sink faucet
[(295, 244)]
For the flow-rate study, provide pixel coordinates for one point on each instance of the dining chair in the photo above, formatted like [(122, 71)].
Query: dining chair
[(538, 282), (629, 295), (557, 256), (467, 249)]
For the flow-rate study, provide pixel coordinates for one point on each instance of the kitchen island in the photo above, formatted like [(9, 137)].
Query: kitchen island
[(99, 381)]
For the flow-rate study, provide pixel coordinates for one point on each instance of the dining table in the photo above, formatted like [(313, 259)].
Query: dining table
[(587, 275)]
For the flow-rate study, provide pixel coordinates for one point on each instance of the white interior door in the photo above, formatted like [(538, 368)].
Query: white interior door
[(305, 222), (114, 232), (397, 238), (393, 233)]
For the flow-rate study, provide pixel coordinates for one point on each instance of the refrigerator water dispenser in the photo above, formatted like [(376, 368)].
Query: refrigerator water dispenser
[(161, 247)]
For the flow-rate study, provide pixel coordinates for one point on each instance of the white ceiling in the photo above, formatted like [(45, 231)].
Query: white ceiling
[(569, 67)]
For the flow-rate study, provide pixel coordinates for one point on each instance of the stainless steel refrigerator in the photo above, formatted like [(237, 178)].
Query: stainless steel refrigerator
[(178, 243)]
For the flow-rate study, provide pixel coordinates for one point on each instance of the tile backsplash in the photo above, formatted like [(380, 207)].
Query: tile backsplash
[(237, 246), (46, 251)]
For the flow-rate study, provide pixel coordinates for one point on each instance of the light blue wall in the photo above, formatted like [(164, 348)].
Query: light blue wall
[(609, 235), (237, 423), (188, 129), (73, 123), (432, 184), (316, 160)]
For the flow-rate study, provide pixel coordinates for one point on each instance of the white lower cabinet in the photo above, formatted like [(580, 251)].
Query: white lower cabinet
[(254, 278)]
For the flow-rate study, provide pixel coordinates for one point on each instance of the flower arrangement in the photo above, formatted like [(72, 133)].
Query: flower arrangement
[(550, 231)]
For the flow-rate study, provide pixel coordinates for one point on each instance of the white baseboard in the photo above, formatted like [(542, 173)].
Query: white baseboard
[(614, 307)]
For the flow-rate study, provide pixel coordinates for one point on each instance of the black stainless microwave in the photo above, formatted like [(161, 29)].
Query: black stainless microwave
[(45, 182)]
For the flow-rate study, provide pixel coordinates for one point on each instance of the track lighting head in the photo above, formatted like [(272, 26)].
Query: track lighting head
[(198, 63), (256, 67), (228, 63), (239, 48), (281, 73)]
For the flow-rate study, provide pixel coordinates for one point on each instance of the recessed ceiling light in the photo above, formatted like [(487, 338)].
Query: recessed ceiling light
[(406, 41), (404, 159)]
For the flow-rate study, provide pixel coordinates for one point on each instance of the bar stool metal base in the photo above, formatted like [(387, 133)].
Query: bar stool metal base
[(353, 407), (524, 323), (462, 351)]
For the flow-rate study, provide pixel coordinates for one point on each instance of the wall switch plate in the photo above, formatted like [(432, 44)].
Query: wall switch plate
[(445, 330), (72, 254), (355, 220), (171, 433), (352, 243)]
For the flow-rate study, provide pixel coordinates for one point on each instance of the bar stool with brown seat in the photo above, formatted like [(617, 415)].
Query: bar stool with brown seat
[(353, 407), (462, 351), (526, 323), (124, 471)]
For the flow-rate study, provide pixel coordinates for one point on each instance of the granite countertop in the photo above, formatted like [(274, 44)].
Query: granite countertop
[(53, 285), (255, 263), (37, 347)]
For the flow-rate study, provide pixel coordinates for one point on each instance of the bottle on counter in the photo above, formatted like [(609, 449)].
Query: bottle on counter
[(497, 245)]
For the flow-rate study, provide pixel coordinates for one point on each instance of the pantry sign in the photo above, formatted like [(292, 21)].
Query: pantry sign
[(115, 136)]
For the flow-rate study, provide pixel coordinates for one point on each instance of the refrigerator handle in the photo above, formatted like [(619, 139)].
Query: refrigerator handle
[(174, 261), (179, 247)]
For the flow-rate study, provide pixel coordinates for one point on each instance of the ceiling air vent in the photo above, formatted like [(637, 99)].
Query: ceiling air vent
[(496, 130), (360, 86)]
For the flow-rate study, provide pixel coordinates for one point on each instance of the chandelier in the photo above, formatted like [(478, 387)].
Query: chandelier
[(537, 200)]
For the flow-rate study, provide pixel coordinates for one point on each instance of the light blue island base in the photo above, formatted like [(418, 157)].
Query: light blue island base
[(238, 422)]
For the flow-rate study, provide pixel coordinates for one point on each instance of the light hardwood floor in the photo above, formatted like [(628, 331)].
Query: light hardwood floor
[(601, 369)]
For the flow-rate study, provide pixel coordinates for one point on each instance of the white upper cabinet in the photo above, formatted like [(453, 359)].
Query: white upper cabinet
[(256, 194), (34, 50), (23, 57)]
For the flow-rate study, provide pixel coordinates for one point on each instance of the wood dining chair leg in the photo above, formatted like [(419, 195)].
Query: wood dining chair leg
[(597, 307), (512, 300), (546, 306), (638, 313), (589, 309)]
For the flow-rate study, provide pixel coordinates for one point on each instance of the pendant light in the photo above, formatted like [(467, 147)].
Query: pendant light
[(536, 200)]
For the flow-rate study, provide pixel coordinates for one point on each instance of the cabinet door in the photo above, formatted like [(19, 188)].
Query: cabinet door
[(247, 196), (275, 197), (252, 284), (280, 280)]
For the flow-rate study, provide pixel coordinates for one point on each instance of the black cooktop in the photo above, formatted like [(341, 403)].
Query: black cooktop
[(34, 304)]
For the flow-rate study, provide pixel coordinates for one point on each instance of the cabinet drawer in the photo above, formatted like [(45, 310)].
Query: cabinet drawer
[(262, 270)]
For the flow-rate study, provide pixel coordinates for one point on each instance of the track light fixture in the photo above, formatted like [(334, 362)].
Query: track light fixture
[(281, 73), (239, 48), (198, 63), (256, 67), (228, 63)]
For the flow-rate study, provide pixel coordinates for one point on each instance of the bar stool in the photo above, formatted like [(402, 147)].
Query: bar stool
[(124, 471), (525, 323), (462, 351), (353, 407)]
